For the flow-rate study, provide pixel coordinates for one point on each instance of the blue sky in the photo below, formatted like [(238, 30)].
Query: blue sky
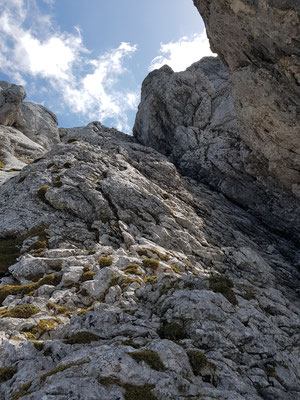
[(86, 59)]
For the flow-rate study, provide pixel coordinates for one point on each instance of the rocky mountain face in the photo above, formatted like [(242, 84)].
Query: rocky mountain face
[(191, 117), (27, 130), (162, 270), (259, 42)]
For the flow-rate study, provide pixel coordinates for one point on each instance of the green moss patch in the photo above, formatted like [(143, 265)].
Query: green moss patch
[(173, 331), (150, 357), (222, 284), (22, 311), (82, 338), (6, 373)]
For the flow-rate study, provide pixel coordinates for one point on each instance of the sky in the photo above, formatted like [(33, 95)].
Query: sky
[(85, 60)]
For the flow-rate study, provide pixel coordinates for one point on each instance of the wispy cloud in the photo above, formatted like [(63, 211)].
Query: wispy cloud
[(31, 47), (181, 54)]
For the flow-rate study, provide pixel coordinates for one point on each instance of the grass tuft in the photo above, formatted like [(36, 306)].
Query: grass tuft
[(83, 337), (150, 357)]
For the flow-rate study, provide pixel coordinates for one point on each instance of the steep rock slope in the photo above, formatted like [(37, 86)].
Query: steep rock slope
[(129, 281), (259, 42), (190, 117), (27, 130)]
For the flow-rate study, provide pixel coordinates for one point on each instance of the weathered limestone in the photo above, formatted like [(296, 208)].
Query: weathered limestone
[(259, 42), (190, 117), (133, 282)]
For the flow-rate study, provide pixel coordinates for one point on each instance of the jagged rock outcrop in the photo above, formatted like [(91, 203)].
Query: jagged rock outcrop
[(129, 281), (259, 42), (190, 117), (27, 130), (11, 97)]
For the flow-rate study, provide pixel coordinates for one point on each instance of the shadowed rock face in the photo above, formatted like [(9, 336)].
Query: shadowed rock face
[(259, 42), (190, 117)]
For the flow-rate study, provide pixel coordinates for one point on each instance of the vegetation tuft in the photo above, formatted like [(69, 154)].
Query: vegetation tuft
[(22, 311), (150, 357), (151, 263), (6, 373), (82, 338), (105, 261), (222, 284), (173, 331)]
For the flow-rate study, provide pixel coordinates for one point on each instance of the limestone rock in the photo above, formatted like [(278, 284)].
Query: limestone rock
[(133, 282), (190, 117), (27, 130), (11, 97), (39, 124), (258, 41)]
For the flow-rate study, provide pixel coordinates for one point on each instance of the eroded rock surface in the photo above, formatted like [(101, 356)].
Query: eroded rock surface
[(190, 117), (129, 281), (259, 42), (27, 130)]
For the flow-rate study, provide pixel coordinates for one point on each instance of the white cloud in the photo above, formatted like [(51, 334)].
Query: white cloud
[(181, 54), (86, 85)]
